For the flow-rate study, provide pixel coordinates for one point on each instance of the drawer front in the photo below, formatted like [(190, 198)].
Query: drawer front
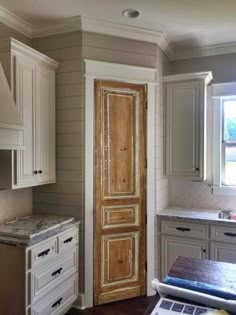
[(184, 229), (43, 252), (54, 273), (67, 239), (223, 234), (59, 300)]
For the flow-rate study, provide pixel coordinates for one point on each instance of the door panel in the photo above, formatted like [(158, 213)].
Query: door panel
[(120, 169), (173, 246), (120, 180), (120, 216), (24, 71), (120, 252), (46, 125)]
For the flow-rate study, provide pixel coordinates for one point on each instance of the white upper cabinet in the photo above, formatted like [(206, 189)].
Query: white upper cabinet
[(185, 101), (32, 82)]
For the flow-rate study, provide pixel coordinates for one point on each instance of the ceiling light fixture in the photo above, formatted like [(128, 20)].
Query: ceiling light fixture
[(131, 13)]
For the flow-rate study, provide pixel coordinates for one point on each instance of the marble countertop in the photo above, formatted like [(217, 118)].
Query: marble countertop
[(30, 230), (194, 214)]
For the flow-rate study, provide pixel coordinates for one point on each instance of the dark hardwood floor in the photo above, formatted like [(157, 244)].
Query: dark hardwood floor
[(136, 306)]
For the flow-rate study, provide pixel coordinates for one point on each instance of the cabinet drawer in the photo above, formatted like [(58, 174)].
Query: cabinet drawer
[(224, 234), (67, 239), (54, 273), (59, 300), (43, 252), (184, 229)]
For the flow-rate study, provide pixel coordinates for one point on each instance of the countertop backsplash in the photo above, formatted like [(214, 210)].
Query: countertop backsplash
[(187, 194)]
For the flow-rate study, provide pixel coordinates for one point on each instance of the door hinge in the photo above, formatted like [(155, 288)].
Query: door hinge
[(146, 219), (145, 266), (146, 163)]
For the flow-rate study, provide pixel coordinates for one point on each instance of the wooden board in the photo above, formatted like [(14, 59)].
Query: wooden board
[(219, 274)]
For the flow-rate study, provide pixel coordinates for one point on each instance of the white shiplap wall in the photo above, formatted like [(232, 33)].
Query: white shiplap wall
[(67, 195)]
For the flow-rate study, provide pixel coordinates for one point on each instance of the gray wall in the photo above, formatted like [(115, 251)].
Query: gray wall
[(223, 67), (67, 195), (18, 202)]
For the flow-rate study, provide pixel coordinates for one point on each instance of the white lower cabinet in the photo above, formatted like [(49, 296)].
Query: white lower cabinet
[(59, 301), (41, 279), (223, 252), (172, 247), (197, 240)]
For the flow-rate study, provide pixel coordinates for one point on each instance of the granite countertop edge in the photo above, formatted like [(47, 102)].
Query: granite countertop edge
[(37, 239), (201, 215)]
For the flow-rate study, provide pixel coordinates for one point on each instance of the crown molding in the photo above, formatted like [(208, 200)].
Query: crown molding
[(206, 76), (204, 51), (15, 22), (103, 27), (113, 29), (61, 26)]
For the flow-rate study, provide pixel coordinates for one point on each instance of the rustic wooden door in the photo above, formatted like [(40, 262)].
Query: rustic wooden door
[(120, 190)]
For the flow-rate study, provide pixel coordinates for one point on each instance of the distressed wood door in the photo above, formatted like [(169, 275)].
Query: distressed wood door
[(120, 181)]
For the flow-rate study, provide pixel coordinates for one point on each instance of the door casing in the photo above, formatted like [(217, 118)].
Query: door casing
[(130, 74)]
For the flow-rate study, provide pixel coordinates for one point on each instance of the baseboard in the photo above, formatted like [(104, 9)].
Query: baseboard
[(79, 303)]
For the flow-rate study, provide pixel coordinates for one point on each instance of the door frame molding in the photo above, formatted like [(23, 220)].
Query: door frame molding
[(130, 74)]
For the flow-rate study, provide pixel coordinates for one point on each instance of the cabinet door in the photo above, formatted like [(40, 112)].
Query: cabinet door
[(184, 103), (45, 126), (172, 247), (223, 252), (24, 90)]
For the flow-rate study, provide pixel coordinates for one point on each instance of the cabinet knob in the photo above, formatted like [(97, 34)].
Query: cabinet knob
[(40, 172), (197, 169), (204, 250), (35, 172)]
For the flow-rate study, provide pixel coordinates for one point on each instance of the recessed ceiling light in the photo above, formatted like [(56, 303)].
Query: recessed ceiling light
[(131, 13)]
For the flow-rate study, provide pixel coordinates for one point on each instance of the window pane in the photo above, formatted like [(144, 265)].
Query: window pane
[(230, 120), (229, 147), (230, 165)]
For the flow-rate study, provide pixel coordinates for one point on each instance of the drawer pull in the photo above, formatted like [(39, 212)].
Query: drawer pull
[(58, 302), (44, 253), (230, 234), (57, 272), (182, 229), (68, 240)]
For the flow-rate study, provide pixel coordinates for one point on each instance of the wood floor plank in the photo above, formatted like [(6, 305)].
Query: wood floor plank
[(136, 306)]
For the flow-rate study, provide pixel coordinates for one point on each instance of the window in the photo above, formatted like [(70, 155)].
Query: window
[(224, 138), (229, 143)]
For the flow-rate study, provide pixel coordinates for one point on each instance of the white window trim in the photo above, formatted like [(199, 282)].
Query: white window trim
[(220, 92)]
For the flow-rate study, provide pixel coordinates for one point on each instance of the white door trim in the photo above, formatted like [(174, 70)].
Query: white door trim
[(130, 74)]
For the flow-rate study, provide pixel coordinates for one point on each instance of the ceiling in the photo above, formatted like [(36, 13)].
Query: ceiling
[(186, 23)]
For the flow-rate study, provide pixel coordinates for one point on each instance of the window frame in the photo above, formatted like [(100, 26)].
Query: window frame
[(220, 92)]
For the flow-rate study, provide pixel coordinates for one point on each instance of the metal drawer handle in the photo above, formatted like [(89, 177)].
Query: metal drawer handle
[(182, 229), (230, 234), (57, 272), (68, 240), (58, 302), (44, 253)]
